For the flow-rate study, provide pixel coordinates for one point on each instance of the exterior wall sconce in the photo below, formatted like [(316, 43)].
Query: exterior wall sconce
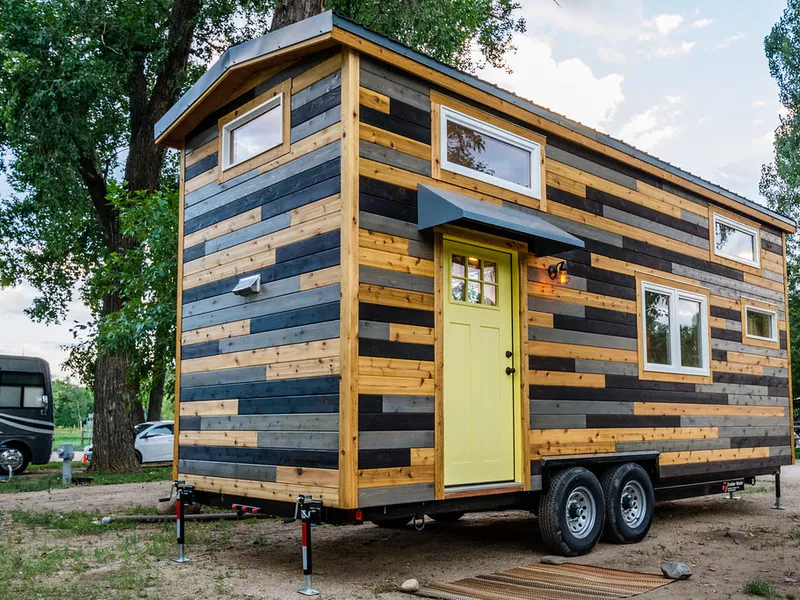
[(559, 272)]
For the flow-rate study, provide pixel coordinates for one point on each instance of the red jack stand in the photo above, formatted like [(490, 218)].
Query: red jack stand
[(310, 514), (185, 494), (778, 491)]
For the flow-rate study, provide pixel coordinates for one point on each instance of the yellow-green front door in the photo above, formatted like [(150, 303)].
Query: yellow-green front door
[(478, 390)]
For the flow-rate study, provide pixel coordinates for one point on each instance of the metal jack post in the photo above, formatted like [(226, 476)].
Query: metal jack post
[(66, 454), (778, 491), (310, 514), (184, 496)]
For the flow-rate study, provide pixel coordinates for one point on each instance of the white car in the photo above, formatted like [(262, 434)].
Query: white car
[(154, 442)]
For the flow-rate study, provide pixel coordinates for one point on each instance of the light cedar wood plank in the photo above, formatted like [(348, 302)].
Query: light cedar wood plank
[(200, 153), (556, 292), (757, 359), (280, 492), (375, 294), (438, 354), (506, 489), (239, 439), (411, 334), (522, 363), (436, 173), (540, 319), (395, 367), (763, 282), (348, 357), (788, 345), (321, 278), (254, 261), (705, 410), (328, 478), (487, 189), (723, 302), (263, 356), (282, 237), (559, 350), (317, 367), (406, 386), (305, 146), (179, 310), (370, 257), (538, 451), (560, 437), (216, 332), (320, 208), (560, 378), (732, 367), (620, 266), (382, 241), (207, 178), (373, 478), (422, 456), (209, 408), (677, 377), (701, 456), (374, 100), (394, 141), (227, 226), (317, 72), (564, 183)]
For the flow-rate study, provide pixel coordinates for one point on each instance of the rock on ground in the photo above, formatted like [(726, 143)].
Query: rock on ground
[(410, 586), (676, 570)]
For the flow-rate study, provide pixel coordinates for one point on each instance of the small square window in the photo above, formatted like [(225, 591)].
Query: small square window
[(761, 324), (256, 131), (736, 241)]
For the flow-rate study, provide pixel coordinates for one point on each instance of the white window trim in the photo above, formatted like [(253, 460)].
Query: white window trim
[(744, 229), (766, 311), (674, 331), (276, 102), (535, 150)]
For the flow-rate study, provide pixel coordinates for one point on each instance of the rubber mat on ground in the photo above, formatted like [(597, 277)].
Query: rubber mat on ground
[(547, 582)]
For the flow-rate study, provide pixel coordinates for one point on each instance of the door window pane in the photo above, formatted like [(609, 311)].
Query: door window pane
[(458, 289), (489, 272), (760, 324), (489, 294), (457, 269), (486, 154), (657, 314), (690, 338), (474, 268), (10, 396), (474, 292), (733, 242), (32, 397)]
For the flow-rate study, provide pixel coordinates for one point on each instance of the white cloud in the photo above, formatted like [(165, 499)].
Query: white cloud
[(653, 126), (611, 19), (765, 140), (673, 51), (568, 86), (759, 103), (673, 99), (610, 55), (664, 24), (702, 120), (700, 23), (721, 45)]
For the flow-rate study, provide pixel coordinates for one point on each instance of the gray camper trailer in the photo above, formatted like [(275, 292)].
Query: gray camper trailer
[(26, 412)]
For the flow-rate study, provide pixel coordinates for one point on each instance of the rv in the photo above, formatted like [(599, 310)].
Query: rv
[(26, 413), (407, 292)]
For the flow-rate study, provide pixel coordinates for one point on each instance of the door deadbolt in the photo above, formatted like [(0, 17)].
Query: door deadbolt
[(509, 354), (510, 370)]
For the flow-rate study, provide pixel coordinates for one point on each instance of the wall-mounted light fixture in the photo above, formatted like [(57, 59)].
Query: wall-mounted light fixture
[(559, 272)]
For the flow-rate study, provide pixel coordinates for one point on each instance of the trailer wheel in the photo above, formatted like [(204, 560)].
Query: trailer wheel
[(395, 523), (448, 517), (571, 512), (17, 457), (629, 503)]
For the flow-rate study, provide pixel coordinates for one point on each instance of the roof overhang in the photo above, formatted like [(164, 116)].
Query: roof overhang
[(436, 206), (231, 73)]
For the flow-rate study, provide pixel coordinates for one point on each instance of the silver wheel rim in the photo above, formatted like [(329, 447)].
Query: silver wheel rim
[(11, 458), (633, 504), (581, 512)]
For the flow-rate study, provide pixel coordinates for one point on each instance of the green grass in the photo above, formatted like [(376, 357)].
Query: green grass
[(797, 452), (36, 483), (758, 587), (69, 435)]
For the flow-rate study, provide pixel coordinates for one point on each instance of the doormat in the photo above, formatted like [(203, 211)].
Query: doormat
[(547, 582)]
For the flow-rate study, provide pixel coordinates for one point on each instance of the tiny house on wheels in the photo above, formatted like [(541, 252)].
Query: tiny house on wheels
[(407, 292)]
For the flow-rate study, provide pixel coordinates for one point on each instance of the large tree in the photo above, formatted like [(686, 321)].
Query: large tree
[(780, 181), (82, 84)]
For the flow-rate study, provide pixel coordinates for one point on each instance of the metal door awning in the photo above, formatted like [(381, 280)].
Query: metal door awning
[(438, 207)]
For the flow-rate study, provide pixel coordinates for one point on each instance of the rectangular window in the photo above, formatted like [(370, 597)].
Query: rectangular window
[(675, 325), (761, 324), (476, 149), (253, 133), (736, 241)]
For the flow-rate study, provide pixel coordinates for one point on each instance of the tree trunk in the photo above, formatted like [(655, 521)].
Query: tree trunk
[(137, 411), (292, 11), (157, 390)]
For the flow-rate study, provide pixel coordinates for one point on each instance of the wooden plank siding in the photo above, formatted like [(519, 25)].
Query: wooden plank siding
[(259, 383), (585, 392)]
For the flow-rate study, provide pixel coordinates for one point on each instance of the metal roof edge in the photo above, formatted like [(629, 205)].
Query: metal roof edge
[(603, 138), (255, 48)]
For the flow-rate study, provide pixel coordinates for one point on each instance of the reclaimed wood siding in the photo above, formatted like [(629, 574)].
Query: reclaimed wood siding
[(259, 384), (586, 395)]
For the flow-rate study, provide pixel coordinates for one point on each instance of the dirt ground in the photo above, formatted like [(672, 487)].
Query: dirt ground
[(261, 559)]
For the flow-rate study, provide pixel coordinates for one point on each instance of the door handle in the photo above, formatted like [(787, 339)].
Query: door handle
[(510, 370), (509, 354)]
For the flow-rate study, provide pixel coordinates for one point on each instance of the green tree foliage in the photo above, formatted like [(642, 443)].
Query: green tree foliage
[(71, 403), (780, 181)]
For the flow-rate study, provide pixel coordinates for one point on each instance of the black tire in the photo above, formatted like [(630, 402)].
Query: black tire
[(626, 487), (138, 457), (448, 517), (578, 492), (26, 459), (395, 523)]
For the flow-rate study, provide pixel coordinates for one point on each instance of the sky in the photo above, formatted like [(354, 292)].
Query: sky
[(685, 81)]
